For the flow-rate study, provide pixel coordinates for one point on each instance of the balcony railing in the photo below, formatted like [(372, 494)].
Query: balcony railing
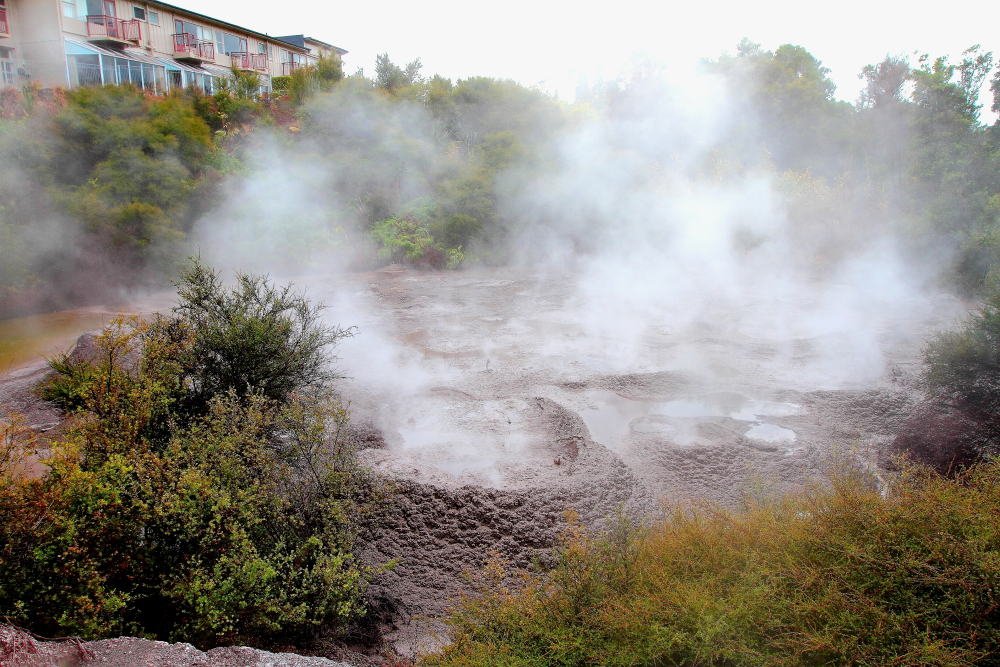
[(245, 60), (111, 28), (187, 45), (4, 27), (287, 69)]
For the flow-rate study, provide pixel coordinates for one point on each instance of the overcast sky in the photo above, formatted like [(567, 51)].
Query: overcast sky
[(535, 41)]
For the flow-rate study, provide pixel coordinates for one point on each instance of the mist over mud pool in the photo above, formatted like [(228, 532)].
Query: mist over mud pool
[(456, 378), (500, 398)]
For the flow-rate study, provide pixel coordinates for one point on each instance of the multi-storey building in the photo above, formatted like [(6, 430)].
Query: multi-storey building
[(151, 44)]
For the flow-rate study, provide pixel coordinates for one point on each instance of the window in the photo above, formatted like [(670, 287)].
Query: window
[(175, 78), (220, 42), (200, 33), (154, 18), (261, 48), (233, 44), (139, 13), (74, 9), (87, 69), (6, 66)]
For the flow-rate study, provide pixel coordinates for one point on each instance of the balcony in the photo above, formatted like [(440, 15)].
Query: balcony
[(4, 26), (287, 69), (189, 47), (110, 29), (249, 61)]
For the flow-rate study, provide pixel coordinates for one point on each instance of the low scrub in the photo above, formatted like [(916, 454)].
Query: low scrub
[(838, 575)]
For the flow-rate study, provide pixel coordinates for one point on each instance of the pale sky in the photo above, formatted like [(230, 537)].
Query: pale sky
[(536, 41)]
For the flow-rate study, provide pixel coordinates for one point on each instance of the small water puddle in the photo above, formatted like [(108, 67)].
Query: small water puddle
[(611, 417), (771, 433)]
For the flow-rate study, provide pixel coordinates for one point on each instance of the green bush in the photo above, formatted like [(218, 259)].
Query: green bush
[(839, 575), (960, 423), (187, 501)]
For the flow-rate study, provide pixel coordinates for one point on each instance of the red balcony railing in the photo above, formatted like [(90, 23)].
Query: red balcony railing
[(4, 28), (188, 44), (245, 60), (288, 68), (109, 27)]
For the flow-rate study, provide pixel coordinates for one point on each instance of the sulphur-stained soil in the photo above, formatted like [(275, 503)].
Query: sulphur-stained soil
[(500, 399)]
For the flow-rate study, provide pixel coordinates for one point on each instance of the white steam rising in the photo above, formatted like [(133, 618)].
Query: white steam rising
[(633, 255)]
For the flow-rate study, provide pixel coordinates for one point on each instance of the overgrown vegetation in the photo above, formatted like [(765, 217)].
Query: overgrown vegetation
[(202, 491), (959, 424), (423, 170), (838, 575)]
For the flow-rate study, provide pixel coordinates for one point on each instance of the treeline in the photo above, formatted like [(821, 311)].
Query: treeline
[(105, 188)]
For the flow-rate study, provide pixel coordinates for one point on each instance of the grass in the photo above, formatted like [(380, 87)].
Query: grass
[(837, 575)]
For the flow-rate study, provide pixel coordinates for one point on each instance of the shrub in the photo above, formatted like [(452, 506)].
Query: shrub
[(839, 575), (960, 423), (188, 501)]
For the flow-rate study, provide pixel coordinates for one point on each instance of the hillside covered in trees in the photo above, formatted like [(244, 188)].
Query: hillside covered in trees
[(102, 190)]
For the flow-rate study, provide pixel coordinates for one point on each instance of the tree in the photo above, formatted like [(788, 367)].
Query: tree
[(884, 82), (391, 78)]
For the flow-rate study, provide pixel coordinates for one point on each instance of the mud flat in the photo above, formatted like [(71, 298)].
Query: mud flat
[(501, 398), (498, 399)]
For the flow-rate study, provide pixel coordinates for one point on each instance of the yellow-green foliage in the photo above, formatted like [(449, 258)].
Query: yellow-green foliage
[(834, 576)]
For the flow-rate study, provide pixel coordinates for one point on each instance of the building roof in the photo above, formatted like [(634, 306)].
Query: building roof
[(258, 35), (300, 41)]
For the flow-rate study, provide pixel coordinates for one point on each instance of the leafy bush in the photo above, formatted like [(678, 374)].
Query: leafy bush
[(960, 423), (836, 576), (189, 500)]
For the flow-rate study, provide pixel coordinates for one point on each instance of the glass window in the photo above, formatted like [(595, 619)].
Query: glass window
[(175, 78), (108, 64), (121, 67), (160, 78), (220, 44), (154, 18), (261, 48), (6, 68), (148, 82), (233, 44), (139, 13), (87, 69)]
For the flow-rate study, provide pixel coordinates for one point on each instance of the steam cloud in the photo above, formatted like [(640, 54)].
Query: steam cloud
[(664, 246)]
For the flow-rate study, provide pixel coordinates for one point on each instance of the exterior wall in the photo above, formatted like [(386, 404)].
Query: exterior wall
[(39, 28), (10, 47), (40, 38)]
